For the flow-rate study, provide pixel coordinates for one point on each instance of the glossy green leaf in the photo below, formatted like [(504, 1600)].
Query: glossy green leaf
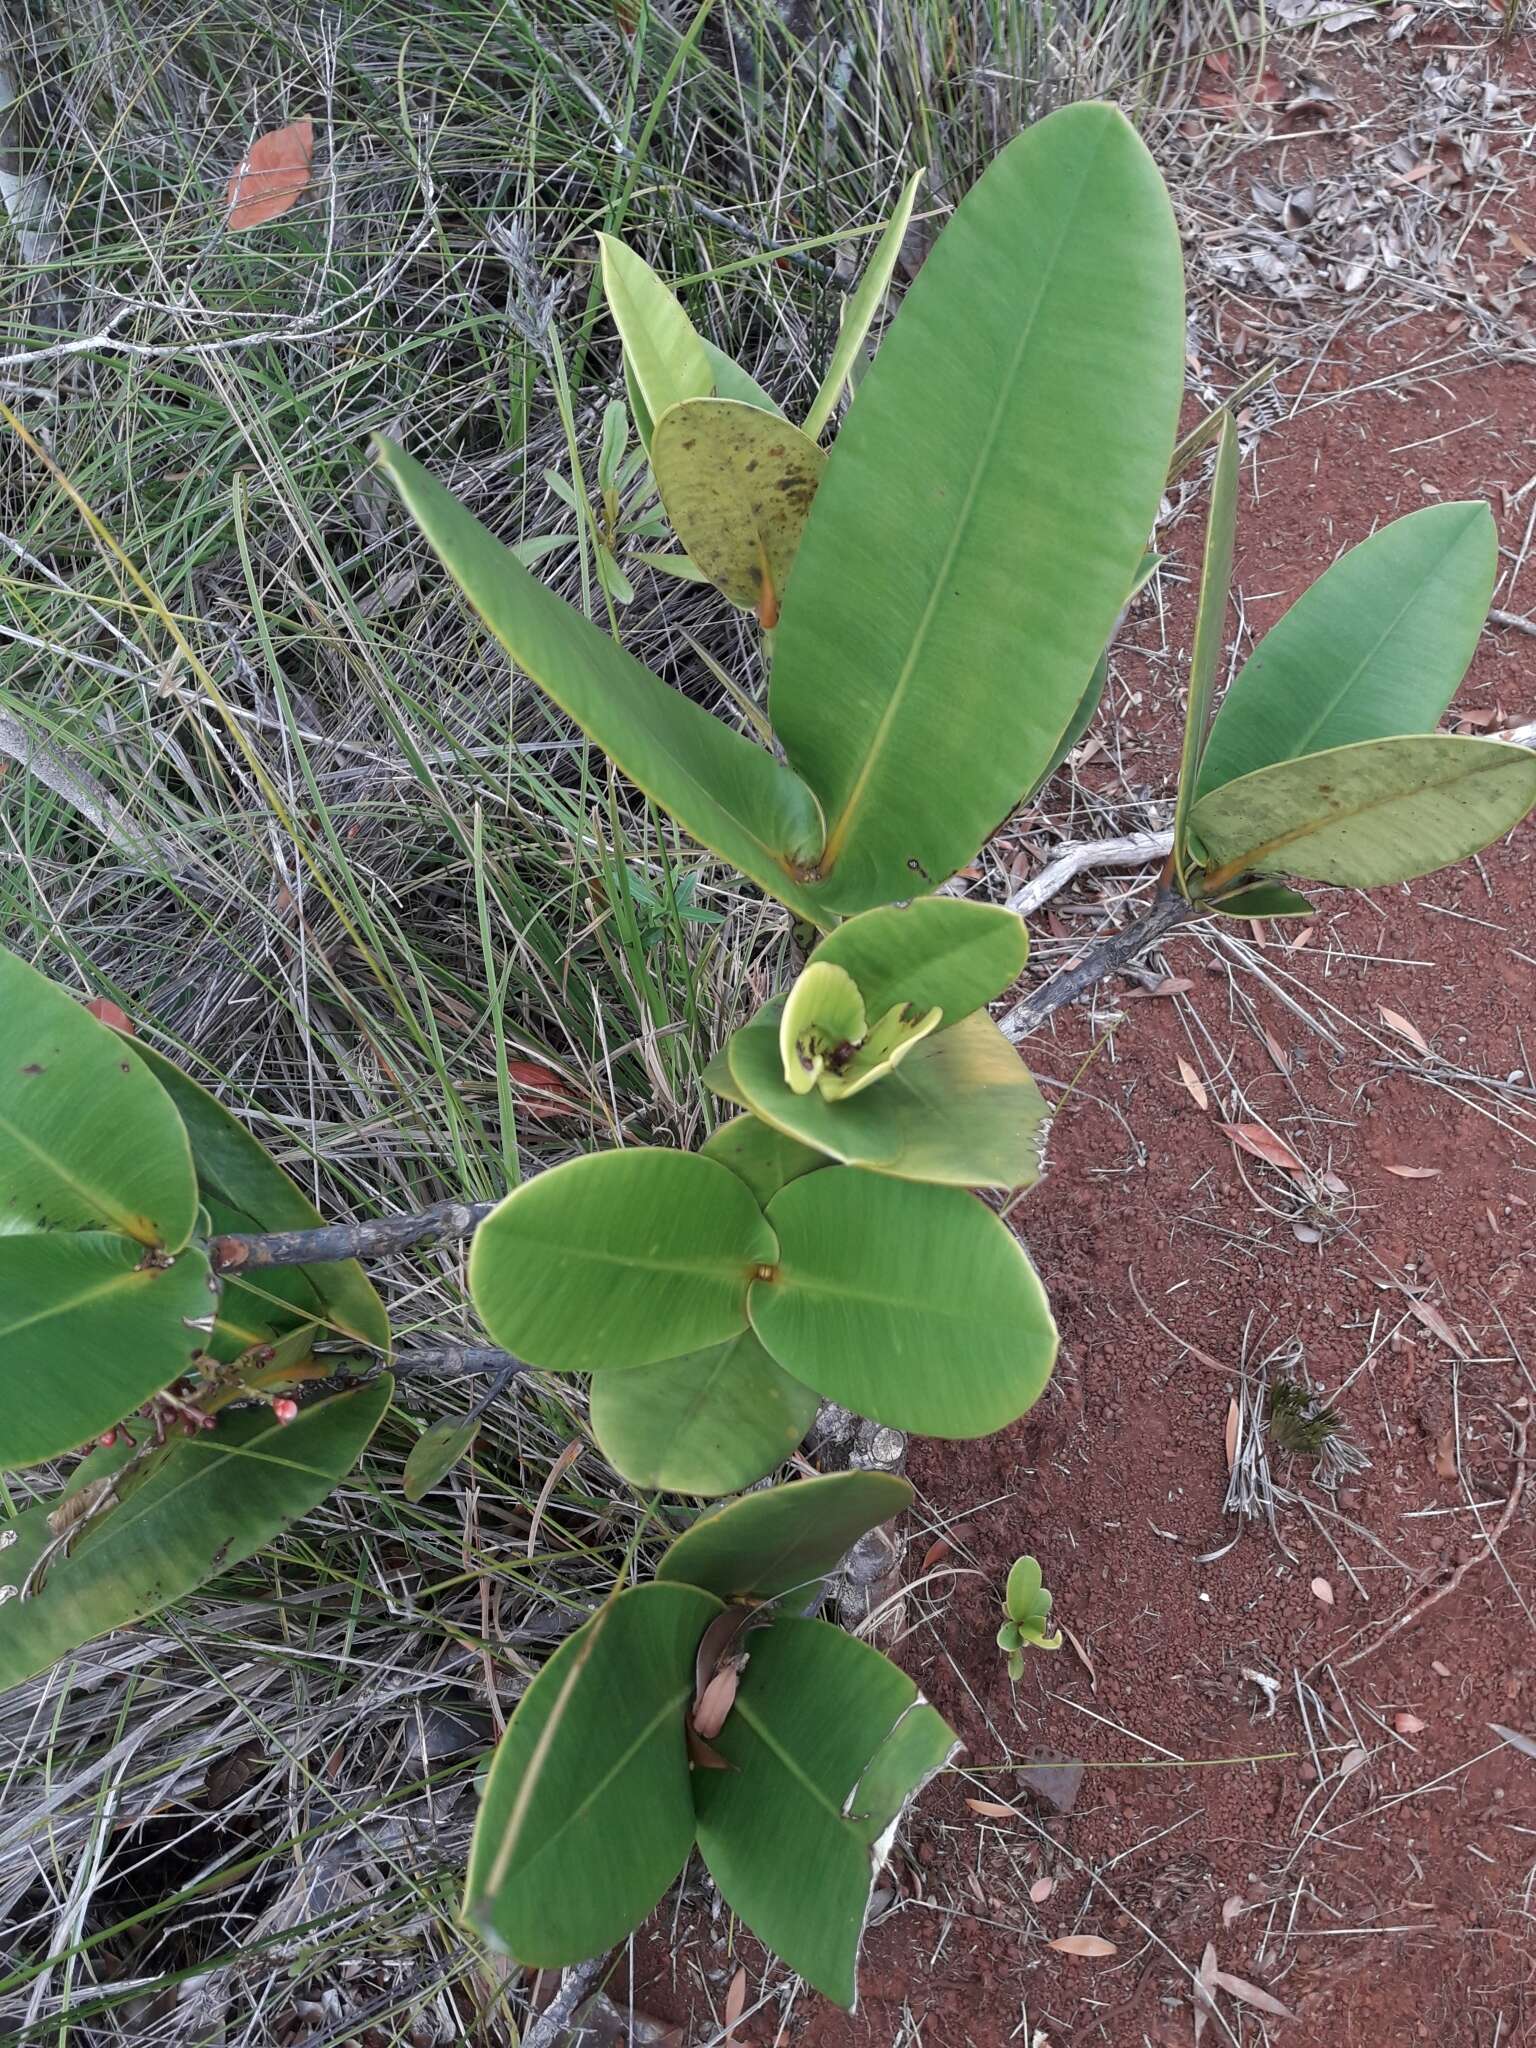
[(732, 381), (737, 484), (985, 508), (1376, 647), (764, 1158), (936, 953), (88, 1139), (1092, 696), (861, 308), (274, 1308), (1383, 811), (433, 1456), (729, 794), (663, 355), (913, 1305), (1025, 1596), (236, 1172), (961, 1108), (784, 1539), (588, 1809), (1266, 899), (829, 1742), (1210, 629), (211, 1501), (619, 1259), (708, 1423), (823, 1013), (87, 1332)]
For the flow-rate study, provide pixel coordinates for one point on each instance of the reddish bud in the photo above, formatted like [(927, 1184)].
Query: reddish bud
[(107, 1439), (284, 1409)]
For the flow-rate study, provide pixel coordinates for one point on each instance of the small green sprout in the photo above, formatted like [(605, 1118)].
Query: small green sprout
[(1026, 1605)]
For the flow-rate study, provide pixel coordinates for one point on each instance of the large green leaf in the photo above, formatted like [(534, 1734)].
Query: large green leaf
[(87, 1332), (985, 508), (737, 484), (257, 1195), (961, 1108), (860, 310), (784, 1539), (213, 1500), (728, 793), (1210, 628), (936, 953), (1382, 811), (910, 1304), (88, 1139), (1375, 647), (732, 381), (588, 1810), (663, 356), (620, 1259), (764, 1158), (829, 1742), (708, 1423)]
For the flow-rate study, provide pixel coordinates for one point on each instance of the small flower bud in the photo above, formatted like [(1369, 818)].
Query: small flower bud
[(107, 1439), (284, 1409)]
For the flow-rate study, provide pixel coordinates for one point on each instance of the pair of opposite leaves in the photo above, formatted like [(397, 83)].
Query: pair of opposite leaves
[(115, 1168), (707, 1293), (590, 1808)]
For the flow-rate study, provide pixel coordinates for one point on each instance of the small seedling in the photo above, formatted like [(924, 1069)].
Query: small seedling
[(1026, 1606), (1303, 1423)]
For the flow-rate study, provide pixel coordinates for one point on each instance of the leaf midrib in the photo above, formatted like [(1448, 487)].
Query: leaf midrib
[(839, 830)]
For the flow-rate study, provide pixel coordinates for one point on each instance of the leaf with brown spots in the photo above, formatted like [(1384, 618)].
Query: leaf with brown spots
[(272, 174)]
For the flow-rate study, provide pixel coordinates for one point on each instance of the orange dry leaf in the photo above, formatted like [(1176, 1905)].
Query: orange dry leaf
[(105, 1011), (1263, 1144), (1041, 1890), (1395, 1021), (272, 174), (1194, 1084), (1323, 1591), (1082, 1945), (1413, 1172), (992, 1809), (1232, 1421), (735, 2004)]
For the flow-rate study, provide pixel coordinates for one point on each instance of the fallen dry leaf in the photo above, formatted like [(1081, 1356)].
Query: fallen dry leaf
[(1082, 1655), (1395, 1021), (1444, 1460), (1205, 1981), (557, 1472), (1413, 1172), (1041, 1890), (1230, 1908), (1277, 1052), (272, 174), (1408, 1724), (1250, 1994), (1232, 1417), (106, 1012), (717, 1700), (1353, 1760), (1082, 1945), (735, 2004), (1437, 1326), (992, 1809), (1263, 1144), (1323, 1591), (1526, 1744), (1194, 1084), (1302, 938)]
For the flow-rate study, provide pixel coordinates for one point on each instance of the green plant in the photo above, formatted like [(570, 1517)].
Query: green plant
[(1026, 1606), (936, 591)]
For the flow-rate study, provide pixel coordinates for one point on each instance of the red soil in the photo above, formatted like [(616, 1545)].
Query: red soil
[(1394, 1902)]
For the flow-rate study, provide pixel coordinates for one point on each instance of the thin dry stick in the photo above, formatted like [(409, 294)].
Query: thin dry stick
[(1420, 1608)]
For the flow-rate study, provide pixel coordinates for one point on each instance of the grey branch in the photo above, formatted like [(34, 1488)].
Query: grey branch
[(1135, 850), (378, 1238), (1099, 958)]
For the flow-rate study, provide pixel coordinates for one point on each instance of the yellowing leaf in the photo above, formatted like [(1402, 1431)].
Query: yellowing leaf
[(1090, 1945), (1194, 1084), (1263, 1144), (272, 174)]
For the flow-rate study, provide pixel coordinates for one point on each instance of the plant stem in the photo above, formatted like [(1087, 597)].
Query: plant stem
[(380, 1237), (1100, 958)]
